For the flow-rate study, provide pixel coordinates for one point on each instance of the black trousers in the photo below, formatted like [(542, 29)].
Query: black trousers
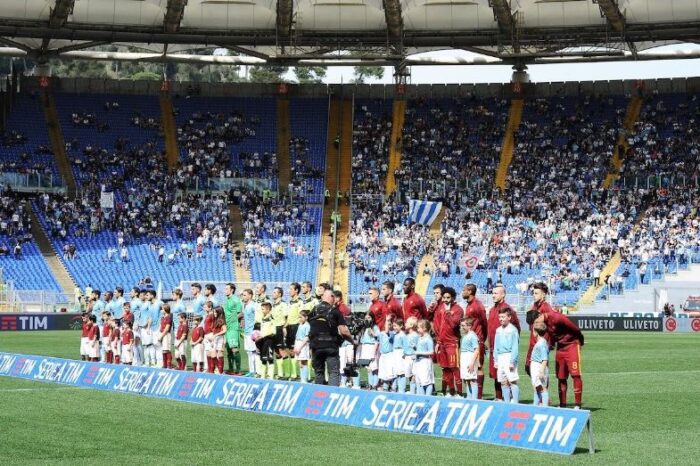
[(326, 358)]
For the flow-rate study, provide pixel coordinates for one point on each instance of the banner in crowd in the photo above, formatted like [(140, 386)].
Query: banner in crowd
[(553, 430), (423, 212), (676, 325), (627, 324), (107, 200), (26, 322)]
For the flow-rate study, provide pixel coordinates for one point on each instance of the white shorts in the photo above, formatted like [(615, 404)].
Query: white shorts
[(94, 349), (248, 343), (208, 342), (180, 350), (367, 354), (423, 371), (397, 356), (127, 354), (539, 379), (84, 349), (197, 353), (166, 342), (347, 356), (116, 347), (218, 344), (104, 341), (146, 337), (304, 353), (408, 363), (466, 358), (504, 374), (386, 366)]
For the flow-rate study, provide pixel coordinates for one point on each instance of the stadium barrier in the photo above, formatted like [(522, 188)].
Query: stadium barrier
[(552, 430), (676, 325), (43, 321), (627, 324)]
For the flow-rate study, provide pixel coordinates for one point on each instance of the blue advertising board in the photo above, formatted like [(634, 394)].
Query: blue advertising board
[(553, 430), (39, 321)]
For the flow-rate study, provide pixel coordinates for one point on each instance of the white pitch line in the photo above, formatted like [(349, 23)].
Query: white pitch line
[(38, 389), (650, 372)]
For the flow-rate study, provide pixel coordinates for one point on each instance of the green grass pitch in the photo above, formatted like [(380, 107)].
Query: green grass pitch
[(642, 389)]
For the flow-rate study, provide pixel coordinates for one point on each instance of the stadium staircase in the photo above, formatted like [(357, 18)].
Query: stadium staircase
[(283, 138), (589, 296), (58, 143), (631, 116), (235, 220), (422, 281), (395, 144), (169, 130), (338, 178), (58, 270), (514, 116)]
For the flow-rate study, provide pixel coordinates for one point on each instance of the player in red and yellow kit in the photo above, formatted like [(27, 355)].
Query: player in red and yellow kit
[(539, 305), (448, 335), (393, 307), (475, 309), (413, 304), (568, 340)]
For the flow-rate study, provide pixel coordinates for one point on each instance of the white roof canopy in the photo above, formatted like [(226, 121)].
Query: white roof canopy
[(286, 31)]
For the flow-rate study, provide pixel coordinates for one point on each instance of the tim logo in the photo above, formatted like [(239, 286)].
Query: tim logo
[(19, 365), (514, 427), (186, 387), (316, 402), (8, 323), (91, 373)]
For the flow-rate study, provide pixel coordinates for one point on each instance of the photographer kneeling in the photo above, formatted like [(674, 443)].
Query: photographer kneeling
[(327, 332)]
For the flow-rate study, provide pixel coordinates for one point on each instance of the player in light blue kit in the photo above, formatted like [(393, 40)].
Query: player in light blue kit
[(409, 352), (178, 307), (198, 300), (505, 356), (539, 366), (399, 384), (98, 306), (117, 303), (154, 310), (367, 356), (136, 303), (249, 308), (301, 346), (469, 357), (386, 353), (423, 369)]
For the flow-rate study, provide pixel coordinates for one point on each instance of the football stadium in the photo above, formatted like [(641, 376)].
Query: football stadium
[(246, 231)]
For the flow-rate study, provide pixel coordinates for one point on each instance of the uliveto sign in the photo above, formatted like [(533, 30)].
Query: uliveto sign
[(553, 430), (638, 324)]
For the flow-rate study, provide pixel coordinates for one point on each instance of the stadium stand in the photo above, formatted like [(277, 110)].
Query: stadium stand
[(25, 147)]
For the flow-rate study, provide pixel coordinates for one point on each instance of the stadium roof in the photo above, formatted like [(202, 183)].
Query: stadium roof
[(347, 31)]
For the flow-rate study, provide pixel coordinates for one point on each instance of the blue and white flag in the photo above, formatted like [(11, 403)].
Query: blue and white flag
[(423, 212)]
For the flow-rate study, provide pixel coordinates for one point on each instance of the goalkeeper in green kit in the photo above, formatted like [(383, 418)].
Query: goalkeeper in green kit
[(232, 308)]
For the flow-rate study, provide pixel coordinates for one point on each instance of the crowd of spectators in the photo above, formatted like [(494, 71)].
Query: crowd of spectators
[(371, 142), (206, 141), (15, 223), (665, 142)]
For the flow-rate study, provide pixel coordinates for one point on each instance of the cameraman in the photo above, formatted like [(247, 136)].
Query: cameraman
[(328, 330)]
